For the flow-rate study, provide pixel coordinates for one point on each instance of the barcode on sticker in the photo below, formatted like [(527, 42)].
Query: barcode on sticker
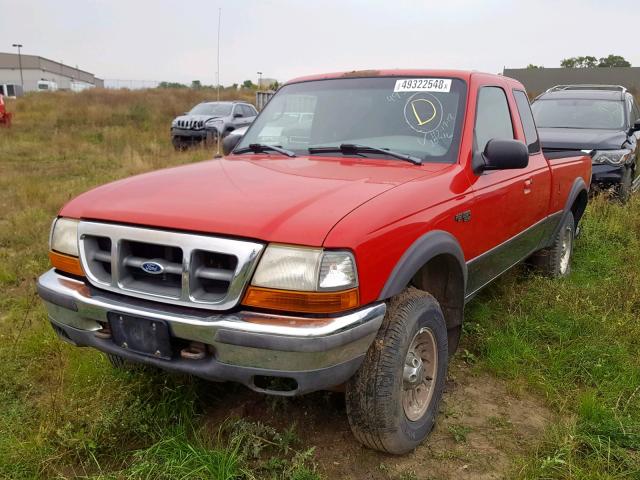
[(423, 85)]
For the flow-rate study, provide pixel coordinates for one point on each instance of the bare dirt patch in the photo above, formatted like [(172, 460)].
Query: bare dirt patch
[(482, 426)]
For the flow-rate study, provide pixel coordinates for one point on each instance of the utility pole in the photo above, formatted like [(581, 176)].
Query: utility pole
[(218, 154), (259, 80), (218, 72), (19, 46)]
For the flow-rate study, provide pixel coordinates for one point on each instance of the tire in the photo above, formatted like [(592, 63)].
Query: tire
[(178, 144), (119, 363), (623, 191), (555, 261), (376, 397)]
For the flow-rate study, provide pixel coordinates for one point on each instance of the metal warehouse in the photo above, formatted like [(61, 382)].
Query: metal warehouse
[(31, 69)]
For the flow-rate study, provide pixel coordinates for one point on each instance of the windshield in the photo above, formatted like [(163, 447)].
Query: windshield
[(579, 113), (218, 109), (414, 116)]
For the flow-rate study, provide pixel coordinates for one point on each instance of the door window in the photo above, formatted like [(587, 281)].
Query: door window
[(247, 111), (493, 119)]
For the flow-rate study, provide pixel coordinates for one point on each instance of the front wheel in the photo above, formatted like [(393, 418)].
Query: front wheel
[(626, 184), (393, 399)]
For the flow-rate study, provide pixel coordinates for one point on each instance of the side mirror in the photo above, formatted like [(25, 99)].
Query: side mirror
[(237, 115), (501, 155), (229, 143), (636, 126)]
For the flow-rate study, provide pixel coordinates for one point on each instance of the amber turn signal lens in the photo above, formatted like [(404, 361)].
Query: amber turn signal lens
[(66, 263), (305, 302)]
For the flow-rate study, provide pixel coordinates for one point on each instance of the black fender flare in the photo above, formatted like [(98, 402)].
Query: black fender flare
[(428, 246)]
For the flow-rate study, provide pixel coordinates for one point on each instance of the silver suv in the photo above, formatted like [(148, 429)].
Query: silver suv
[(209, 121)]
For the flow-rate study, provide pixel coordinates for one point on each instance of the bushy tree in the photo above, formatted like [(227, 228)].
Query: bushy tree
[(531, 66), (592, 62), (171, 85), (248, 84), (613, 61), (579, 62), (196, 84)]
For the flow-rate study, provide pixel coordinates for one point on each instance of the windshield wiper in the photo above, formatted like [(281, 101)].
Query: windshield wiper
[(263, 147), (349, 148)]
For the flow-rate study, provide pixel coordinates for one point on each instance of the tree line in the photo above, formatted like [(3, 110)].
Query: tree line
[(591, 62), (197, 84)]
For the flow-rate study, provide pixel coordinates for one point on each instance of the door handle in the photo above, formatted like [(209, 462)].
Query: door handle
[(527, 186)]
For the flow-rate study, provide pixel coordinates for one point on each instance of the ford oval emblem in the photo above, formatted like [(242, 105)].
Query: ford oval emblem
[(153, 268)]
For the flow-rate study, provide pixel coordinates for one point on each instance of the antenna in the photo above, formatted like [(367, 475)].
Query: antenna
[(218, 72)]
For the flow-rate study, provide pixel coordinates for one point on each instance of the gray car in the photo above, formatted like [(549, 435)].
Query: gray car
[(208, 121)]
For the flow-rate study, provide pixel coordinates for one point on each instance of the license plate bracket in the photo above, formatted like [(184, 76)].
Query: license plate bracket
[(145, 336)]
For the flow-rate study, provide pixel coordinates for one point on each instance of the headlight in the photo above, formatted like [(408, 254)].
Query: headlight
[(64, 236), (613, 157), (305, 269), (213, 123), (174, 122)]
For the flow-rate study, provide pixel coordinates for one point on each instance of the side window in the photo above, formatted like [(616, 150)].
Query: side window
[(248, 111), (529, 126), (493, 119)]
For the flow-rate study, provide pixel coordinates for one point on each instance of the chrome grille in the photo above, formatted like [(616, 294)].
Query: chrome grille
[(190, 269), (191, 124)]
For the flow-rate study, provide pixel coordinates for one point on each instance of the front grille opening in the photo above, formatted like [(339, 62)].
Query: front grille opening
[(275, 384), (211, 274), (135, 256), (98, 256)]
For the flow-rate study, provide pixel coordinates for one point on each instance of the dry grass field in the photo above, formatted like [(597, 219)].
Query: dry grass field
[(546, 384)]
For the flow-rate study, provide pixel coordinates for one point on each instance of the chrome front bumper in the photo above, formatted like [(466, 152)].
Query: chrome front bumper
[(317, 353)]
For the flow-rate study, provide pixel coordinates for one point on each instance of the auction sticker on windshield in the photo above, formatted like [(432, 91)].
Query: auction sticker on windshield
[(423, 85)]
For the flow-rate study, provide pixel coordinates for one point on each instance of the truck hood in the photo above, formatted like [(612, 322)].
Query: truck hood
[(295, 200), (581, 139)]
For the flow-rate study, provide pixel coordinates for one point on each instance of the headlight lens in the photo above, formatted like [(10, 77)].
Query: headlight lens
[(286, 267), (613, 157), (213, 123), (64, 236)]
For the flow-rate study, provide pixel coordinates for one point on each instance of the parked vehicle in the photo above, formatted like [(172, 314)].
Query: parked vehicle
[(209, 121), (47, 85), (603, 118), (334, 252), (10, 90), (5, 117)]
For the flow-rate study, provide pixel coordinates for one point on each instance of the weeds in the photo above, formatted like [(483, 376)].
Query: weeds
[(65, 414)]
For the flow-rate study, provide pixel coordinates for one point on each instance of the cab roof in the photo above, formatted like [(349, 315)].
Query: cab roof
[(461, 74)]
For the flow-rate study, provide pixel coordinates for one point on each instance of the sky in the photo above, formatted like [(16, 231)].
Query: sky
[(177, 40)]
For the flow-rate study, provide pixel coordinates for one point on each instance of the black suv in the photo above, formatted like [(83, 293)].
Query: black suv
[(601, 118)]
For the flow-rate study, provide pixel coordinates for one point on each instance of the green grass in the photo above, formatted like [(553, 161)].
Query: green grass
[(64, 413), (576, 341)]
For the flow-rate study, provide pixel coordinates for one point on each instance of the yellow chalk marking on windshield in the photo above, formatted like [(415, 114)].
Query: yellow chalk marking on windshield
[(417, 115)]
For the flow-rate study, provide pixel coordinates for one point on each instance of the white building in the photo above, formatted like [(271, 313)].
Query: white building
[(36, 69)]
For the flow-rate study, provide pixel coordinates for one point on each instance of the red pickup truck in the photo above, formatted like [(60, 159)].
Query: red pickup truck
[(336, 245)]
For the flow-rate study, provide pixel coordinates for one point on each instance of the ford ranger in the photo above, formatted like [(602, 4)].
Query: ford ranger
[(334, 246)]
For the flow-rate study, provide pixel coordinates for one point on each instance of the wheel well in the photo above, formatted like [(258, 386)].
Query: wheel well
[(579, 205), (442, 277)]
